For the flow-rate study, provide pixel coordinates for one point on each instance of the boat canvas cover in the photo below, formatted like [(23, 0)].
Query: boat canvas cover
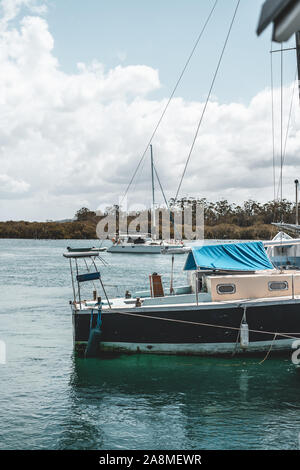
[(229, 257)]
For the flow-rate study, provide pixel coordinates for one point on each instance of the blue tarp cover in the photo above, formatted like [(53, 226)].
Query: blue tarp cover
[(229, 257)]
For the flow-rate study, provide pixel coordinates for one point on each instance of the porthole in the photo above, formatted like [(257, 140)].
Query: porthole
[(278, 285), (226, 289)]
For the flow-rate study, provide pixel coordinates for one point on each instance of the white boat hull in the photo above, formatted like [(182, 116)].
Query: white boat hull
[(143, 249)]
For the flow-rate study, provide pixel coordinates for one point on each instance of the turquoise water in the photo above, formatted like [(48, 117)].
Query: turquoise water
[(51, 400)]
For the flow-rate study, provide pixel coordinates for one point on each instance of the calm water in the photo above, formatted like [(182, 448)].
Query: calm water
[(51, 400)]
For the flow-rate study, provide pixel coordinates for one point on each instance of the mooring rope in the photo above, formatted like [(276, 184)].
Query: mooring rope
[(270, 349)]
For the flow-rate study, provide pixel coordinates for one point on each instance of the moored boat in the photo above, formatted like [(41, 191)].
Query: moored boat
[(143, 244), (235, 302), (139, 243), (79, 250), (286, 253)]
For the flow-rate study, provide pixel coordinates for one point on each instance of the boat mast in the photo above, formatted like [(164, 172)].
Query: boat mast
[(153, 195), (298, 58), (297, 35)]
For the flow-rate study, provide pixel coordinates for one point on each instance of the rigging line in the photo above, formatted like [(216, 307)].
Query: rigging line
[(284, 50), (171, 97), (288, 126), (207, 99), (167, 204), (161, 188), (273, 128), (134, 185), (281, 130)]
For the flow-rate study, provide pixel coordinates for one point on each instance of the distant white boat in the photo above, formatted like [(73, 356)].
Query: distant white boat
[(144, 244), (139, 244), (284, 251), (78, 249)]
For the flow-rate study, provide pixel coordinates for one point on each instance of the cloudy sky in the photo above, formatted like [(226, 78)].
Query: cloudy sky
[(83, 84)]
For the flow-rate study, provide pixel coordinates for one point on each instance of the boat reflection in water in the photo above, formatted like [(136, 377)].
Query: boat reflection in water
[(167, 402)]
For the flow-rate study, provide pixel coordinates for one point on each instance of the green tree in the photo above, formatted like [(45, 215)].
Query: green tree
[(84, 214)]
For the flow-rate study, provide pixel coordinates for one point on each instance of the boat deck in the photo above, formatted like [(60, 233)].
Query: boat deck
[(125, 304)]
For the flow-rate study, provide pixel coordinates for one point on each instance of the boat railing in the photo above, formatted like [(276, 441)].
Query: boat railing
[(91, 273)]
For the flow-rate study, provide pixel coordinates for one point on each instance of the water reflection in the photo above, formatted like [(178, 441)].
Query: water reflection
[(51, 400), (157, 402)]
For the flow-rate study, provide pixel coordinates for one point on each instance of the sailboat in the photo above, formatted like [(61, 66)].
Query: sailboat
[(139, 243)]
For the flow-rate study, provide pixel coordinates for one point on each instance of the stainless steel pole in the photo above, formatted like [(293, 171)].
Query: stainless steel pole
[(297, 211)]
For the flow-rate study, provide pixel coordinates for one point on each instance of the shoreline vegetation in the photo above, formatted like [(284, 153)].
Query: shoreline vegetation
[(248, 221)]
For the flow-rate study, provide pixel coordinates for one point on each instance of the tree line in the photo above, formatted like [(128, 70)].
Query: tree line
[(47, 230), (243, 215), (250, 220)]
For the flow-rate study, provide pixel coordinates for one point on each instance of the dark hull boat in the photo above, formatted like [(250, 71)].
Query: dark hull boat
[(235, 303), (179, 331)]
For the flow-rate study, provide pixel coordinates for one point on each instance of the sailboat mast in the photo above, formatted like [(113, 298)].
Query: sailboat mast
[(153, 193), (298, 58)]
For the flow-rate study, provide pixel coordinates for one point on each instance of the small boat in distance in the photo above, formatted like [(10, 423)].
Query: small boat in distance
[(286, 253), (143, 244), (138, 243), (235, 302), (85, 250)]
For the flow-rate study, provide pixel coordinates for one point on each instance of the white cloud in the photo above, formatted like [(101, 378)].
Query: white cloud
[(68, 140), (11, 9), (11, 188)]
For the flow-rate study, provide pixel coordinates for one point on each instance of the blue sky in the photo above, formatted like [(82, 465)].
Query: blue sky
[(161, 33), (71, 135)]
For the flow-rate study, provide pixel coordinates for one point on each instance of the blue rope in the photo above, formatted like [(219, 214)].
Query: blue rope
[(99, 316), (92, 318)]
